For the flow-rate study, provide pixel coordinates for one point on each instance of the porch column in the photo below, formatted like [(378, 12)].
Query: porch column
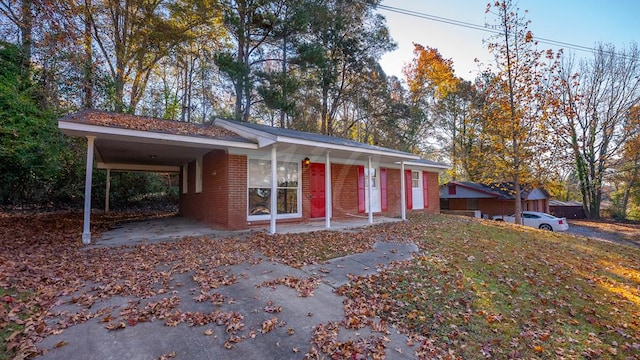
[(273, 210), (86, 232), (327, 192), (403, 190), (370, 193), (106, 191)]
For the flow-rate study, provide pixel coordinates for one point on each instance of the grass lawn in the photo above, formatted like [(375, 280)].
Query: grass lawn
[(491, 289), (477, 289)]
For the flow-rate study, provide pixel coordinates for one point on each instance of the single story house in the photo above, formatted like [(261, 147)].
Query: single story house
[(567, 209), (229, 170), (491, 199)]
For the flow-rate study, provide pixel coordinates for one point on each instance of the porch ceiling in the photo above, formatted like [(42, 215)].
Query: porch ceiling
[(111, 153)]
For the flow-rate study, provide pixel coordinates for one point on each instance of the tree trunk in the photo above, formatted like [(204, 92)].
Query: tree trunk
[(88, 61), (26, 30)]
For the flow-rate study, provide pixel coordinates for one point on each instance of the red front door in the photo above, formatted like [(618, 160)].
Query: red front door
[(317, 190)]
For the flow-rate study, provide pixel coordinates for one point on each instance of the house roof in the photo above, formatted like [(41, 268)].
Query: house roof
[(499, 190), (124, 140), (565, 203), (282, 134), (144, 123)]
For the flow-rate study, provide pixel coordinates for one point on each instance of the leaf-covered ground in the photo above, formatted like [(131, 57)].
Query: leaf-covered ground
[(484, 289), (475, 290)]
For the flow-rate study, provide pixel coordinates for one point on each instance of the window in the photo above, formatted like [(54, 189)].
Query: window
[(259, 187), (185, 179), (373, 177), (415, 179), (199, 175), (472, 204), (444, 204)]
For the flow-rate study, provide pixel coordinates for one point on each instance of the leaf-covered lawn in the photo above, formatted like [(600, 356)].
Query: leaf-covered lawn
[(485, 289), (477, 289)]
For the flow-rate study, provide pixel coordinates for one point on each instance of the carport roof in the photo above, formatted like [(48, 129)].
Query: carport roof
[(131, 142)]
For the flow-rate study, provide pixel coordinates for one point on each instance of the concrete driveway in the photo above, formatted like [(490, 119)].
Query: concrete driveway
[(254, 300)]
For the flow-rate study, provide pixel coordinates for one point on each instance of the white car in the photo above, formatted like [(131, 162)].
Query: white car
[(538, 220)]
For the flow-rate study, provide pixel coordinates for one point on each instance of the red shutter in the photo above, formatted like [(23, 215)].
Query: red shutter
[(425, 189), (409, 189), (383, 188), (361, 195)]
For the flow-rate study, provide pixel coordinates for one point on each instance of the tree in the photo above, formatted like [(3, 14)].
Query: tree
[(134, 35), (627, 166), (518, 98), (29, 139), (346, 39), (250, 23), (594, 101)]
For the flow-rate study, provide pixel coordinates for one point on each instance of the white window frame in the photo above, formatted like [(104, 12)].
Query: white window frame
[(295, 215), (415, 180), (374, 177), (199, 175)]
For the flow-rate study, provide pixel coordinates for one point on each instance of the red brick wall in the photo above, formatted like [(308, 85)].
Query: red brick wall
[(344, 186), (237, 192), (394, 206), (306, 192), (434, 193), (223, 200)]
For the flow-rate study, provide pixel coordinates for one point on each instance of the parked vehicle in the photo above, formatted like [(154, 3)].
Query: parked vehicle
[(537, 220)]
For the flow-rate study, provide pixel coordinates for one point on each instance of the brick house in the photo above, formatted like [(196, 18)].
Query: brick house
[(490, 199), (229, 170)]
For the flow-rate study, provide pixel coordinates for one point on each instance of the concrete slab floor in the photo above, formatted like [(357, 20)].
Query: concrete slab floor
[(176, 227)]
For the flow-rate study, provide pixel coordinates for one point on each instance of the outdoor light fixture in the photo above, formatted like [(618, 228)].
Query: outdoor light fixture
[(306, 161)]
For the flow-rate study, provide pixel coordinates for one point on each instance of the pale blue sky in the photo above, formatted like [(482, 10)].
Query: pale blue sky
[(580, 22)]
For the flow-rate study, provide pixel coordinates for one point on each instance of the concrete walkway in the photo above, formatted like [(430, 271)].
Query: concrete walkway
[(251, 299)]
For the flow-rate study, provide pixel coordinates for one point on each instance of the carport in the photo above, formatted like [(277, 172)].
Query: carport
[(140, 149)]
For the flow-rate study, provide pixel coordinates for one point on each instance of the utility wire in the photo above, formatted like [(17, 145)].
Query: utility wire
[(488, 29)]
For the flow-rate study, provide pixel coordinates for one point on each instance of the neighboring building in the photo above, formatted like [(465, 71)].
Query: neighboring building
[(567, 209), (229, 170), (490, 199)]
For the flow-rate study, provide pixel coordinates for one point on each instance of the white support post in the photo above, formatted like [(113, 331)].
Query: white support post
[(403, 190), (106, 191), (273, 209), (86, 232), (327, 192), (370, 193)]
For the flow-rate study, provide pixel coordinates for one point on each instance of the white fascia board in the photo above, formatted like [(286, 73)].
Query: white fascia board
[(134, 167), (263, 138), (428, 166), (330, 146), (97, 130)]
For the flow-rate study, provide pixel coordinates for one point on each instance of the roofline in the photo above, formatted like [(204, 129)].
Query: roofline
[(134, 167), (264, 139), (441, 167), (480, 191), (185, 139)]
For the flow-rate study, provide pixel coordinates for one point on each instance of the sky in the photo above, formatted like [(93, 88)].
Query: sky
[(579, 22)]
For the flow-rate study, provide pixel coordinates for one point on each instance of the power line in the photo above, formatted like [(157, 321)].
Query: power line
[(487, 29)]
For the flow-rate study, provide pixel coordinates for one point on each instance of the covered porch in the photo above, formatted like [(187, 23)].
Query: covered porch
[(174, 228)]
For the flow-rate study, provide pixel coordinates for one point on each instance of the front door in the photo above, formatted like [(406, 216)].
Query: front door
[(417, 194), (317, 190)]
